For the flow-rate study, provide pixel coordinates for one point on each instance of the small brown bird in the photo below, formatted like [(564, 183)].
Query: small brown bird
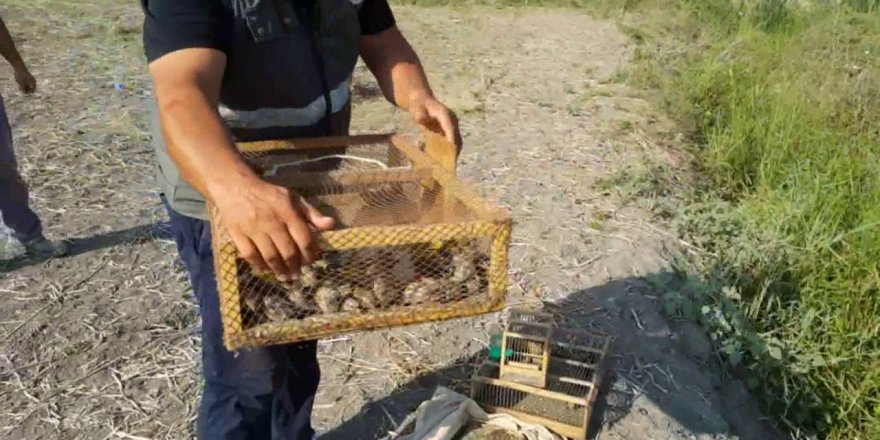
[(251, 300), (300, 300), (345, 289), (414, 293), (350, 305), (463, 268), (463, 264), (328, 300), (365, 297), (471, 288), (308, 276), (383, 292), (404, 270), (277, 309), (442, 291), (428, 290)]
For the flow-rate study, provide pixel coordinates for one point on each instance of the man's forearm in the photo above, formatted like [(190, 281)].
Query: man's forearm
[(198, 141), (187, 85), (8, 49), (396, 66)]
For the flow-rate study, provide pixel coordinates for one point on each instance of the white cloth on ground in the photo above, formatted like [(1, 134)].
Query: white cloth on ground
[(448, 412)]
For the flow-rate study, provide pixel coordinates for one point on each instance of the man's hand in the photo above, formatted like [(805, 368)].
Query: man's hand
[(270, 226), (26, 82), (399, 72), (433, 115)]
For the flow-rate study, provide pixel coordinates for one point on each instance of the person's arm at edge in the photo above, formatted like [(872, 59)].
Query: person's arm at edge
[(403, 81), (8, 50)]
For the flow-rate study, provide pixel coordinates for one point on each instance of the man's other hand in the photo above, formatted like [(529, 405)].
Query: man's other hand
[(271, 226), (26, 82), (433, 115)]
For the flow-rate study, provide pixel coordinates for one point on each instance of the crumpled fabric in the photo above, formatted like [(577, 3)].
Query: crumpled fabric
[(447, 413)]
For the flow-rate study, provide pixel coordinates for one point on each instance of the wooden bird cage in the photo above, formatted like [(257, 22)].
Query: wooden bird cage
[(572, 366), (412, 243), (526, 342)]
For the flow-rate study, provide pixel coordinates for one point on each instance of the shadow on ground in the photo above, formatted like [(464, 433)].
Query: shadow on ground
[(82, 245), (663, 380)]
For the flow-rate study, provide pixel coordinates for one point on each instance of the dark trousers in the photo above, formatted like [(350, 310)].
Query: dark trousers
[(257, 394), (17, 213)]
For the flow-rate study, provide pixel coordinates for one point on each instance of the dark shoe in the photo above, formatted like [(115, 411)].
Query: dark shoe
[(43, 247)]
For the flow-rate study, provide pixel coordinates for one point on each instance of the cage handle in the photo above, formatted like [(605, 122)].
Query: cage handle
[(441, 150)]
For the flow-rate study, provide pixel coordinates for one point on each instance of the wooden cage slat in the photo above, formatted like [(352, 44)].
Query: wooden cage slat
[(542, 325), (573, 381), (563, 429), (575, 363), (530, 368), (531, 355), (555, 377), (404, 235), (312, 143), (578, 347), (534, 390), (316, 179), (308, 329), (532, 338)]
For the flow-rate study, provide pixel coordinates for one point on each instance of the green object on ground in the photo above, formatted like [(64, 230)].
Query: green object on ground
[(495, 348)]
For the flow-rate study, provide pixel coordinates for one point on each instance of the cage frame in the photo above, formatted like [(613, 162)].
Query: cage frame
[(437, 162), (522, 372), (574, 432)]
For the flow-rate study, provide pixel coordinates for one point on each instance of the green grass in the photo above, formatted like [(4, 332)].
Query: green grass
[(783, 106)]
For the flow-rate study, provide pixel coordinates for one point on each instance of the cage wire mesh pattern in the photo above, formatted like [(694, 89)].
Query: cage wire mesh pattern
[(547, 375), (411, 244)]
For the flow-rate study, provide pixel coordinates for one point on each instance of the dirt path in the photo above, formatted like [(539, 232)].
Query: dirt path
[(101, 345)]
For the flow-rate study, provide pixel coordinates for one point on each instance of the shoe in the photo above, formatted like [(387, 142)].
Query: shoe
[(43, 247), (10, 249)]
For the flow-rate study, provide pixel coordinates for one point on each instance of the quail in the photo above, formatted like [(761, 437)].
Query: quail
[(365, 297), (427, 290), (299, 299), (463, 264), (308, 277), (350, 305), (471, 288), (383, 292), (277, 309), (328, 300), (251, 301), (404, 270)]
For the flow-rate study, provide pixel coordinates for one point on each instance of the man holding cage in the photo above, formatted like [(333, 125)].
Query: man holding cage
[(246, 70)]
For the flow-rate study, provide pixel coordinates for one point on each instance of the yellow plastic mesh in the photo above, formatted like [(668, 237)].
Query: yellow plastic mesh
[(412, 244)]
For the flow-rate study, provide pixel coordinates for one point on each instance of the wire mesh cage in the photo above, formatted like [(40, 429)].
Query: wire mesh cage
[(411, 244), (574, 361)]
